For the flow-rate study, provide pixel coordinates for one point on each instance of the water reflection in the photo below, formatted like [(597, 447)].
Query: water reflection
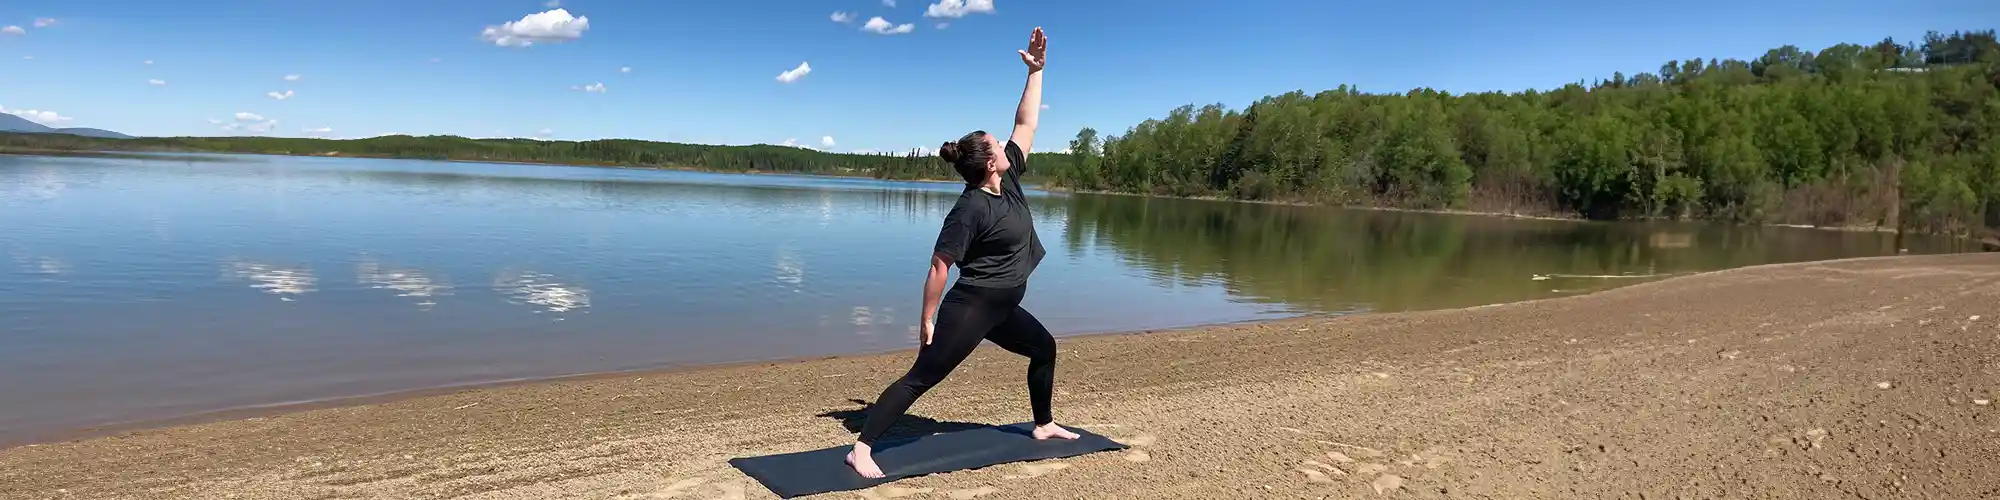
[(789, 270), (272, 279), (46, 266), (30, 183), (541, 291), (1333, 260), (410, 283)]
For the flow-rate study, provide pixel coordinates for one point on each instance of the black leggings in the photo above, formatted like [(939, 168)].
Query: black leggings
[(967, 314)]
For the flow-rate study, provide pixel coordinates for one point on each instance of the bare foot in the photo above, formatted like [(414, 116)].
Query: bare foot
[(863, 461), (1051, 430)]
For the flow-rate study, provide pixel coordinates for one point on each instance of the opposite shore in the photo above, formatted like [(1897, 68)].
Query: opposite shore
[(1861, 377), (1989, 243)]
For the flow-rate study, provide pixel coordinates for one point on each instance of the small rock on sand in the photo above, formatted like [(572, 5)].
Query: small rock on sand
[(1982, 402), (1884, 385), (1386, 484)]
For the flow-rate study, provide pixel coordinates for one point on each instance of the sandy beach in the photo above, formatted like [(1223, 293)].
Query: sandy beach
[(1871, 378)]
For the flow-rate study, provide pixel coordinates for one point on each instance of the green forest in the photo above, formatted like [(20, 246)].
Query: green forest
[(609, 152), (1884, 134)]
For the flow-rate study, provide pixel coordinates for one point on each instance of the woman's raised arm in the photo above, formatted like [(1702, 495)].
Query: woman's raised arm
[(1029, 114)]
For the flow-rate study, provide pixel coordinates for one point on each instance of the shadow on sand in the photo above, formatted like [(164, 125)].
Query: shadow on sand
[(909, 426)]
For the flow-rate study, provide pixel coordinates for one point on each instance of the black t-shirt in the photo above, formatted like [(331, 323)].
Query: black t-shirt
[(992, 237)]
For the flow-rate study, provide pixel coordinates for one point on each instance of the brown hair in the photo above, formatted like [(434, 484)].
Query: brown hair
[(968, 156)]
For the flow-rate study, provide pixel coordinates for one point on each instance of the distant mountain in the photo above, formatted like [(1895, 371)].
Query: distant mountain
[(12, 123), (93, 132)]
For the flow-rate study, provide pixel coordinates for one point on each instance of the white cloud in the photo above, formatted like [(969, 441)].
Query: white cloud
[(157, 82), (435, 60), (27, 58), (247, 116), (796, 73), (843, 17), (319, 131), (554, 26), (279, 95), (795, 143), (294, 77), (1045, 106), (826, 142), (959, 8), (865, 151), (943, 25), (595, 88), (44, 22), (13, 30), (627, 69), (888, 3), (49, 118), (881, 26), (544, 133), (552, 3), (212, 121), (149, 62), (230, 127)]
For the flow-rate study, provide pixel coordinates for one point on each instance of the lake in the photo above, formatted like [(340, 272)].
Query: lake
[(139, 289)]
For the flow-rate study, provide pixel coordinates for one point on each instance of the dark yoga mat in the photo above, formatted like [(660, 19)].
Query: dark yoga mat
[(820, 471)]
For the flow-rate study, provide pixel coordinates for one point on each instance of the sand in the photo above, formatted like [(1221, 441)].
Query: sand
[(1848, 379)]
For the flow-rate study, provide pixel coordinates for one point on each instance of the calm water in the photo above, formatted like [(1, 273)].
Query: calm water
[(140, 289)]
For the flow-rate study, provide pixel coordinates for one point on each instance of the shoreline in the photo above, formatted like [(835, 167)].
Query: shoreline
[(1774, 376), (1989, 243), (281, 409)]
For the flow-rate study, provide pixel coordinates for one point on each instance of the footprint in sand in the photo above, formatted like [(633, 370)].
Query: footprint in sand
[(1142, 440), (730, 491), (1138, 455), (969, 494), (1362, 451), (1037, 470), (1388, 483), (679, 487), (887, 492), (1313, 476)]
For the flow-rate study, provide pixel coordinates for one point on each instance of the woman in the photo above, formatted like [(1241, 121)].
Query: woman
[(991, 237)]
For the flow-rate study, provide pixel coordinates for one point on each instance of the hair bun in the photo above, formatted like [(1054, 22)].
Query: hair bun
[(949, 151)]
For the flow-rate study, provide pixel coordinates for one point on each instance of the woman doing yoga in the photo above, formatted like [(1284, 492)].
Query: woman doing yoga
[(990, 236)]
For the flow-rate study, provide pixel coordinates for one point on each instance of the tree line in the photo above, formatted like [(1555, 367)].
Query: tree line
[(608, 152), (1887, 134)]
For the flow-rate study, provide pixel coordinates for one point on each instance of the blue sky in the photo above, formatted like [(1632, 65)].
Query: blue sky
[(706, 72)]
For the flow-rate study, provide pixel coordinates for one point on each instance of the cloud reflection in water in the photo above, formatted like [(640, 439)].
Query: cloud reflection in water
[(541, 291), (273, 279), (405, 282)]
